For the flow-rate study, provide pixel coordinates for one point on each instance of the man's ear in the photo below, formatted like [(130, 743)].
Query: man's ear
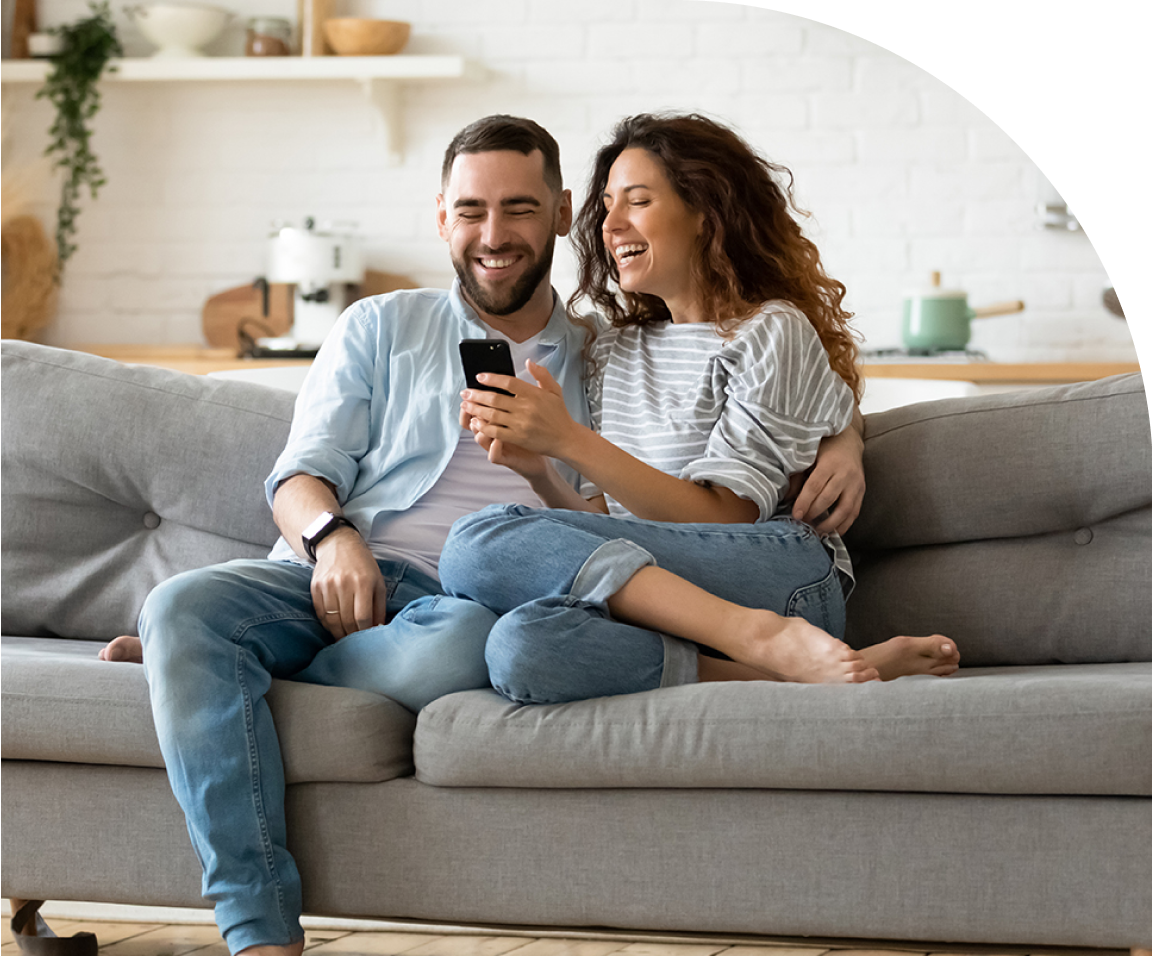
[(564, 213), (442, 217)]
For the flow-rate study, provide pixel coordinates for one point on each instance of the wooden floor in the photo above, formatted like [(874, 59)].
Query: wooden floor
[(155, 939)]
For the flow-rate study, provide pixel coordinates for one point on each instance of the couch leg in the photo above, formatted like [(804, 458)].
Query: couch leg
[(17, 905)]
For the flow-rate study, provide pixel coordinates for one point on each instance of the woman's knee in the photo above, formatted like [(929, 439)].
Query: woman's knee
[(473, 557), (519, 655)]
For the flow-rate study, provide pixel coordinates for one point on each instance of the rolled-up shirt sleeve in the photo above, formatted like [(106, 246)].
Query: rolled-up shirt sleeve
[(782, 398), (331, 425)]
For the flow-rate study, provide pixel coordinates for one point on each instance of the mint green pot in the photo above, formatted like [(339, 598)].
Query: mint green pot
[(937, 322)]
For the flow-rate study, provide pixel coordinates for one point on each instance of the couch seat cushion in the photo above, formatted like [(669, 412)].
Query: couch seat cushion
[(1076, 729), (63, 704)]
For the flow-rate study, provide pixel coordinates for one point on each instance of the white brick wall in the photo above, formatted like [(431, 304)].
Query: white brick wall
[(902, 176)]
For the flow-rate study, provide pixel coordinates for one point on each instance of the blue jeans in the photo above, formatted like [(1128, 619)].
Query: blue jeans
[(213, 640), (550, 573)]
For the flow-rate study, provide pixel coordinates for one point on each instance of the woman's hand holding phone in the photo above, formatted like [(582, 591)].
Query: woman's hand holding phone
[(533, 417)]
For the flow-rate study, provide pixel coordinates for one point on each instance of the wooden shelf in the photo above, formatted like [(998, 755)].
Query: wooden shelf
[(380, 77), (236, 68)]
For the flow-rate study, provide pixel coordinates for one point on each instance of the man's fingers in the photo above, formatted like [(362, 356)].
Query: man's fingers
[(841, 518), (806, 502), (363, 602)]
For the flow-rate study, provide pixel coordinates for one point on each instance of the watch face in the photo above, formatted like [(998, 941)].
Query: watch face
[(318, 525)]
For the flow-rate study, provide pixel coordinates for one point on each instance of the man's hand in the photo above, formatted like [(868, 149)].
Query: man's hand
[(833, 490), (349, 593)]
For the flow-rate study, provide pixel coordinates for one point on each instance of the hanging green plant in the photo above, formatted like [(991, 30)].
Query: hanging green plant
[(72, 87)]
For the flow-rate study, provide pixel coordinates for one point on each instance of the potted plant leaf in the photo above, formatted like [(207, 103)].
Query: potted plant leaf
[(72, 87)]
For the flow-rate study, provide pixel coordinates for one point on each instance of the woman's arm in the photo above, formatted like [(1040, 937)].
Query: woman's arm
[(552, 490), (534, 418)]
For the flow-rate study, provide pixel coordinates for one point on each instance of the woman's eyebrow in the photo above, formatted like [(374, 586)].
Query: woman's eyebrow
[(625, 189)]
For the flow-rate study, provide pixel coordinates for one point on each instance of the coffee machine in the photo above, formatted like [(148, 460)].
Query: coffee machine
[(320, 263)]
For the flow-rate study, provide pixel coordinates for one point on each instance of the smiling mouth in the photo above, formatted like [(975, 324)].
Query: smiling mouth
[(629, 251), (496, 266)]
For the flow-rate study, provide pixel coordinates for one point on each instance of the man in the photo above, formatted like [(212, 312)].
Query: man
[(375, 470)]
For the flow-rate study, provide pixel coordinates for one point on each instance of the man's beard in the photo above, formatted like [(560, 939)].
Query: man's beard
[(516, 297)]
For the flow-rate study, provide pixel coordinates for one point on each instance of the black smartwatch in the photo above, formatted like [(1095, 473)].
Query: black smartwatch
[(319, 529)]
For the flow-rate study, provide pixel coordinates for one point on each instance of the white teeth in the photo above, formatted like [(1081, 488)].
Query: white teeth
[(630, 249), (496, 263)]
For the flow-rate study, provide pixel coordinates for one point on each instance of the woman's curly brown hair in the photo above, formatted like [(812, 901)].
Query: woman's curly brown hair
[(751, 247)]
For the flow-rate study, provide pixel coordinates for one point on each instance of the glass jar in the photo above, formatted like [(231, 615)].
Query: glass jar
[(268, 36)]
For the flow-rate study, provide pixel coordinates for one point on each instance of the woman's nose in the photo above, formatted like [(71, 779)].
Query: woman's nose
[(614, 219)]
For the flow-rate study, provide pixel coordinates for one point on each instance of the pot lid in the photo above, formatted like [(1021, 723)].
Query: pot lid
[(934, 291)]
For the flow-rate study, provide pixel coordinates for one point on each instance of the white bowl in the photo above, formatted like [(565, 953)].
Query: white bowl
[(180, 30)]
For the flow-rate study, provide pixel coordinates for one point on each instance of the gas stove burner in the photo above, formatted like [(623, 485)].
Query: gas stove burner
[(958, 355)]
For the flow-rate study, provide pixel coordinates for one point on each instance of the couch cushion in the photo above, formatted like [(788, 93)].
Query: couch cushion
[(1020, 525), (1027, 730), (63, 704), (117, 477)]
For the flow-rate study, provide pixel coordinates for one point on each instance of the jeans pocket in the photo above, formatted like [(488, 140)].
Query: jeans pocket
[(821, 604)]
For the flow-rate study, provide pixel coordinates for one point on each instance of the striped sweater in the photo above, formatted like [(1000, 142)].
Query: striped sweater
[(744, 413)]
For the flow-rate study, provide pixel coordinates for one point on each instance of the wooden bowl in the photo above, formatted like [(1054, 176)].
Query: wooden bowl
[(353, 36)]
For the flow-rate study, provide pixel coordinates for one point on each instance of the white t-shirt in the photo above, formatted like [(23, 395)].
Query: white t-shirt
[(469, 482)]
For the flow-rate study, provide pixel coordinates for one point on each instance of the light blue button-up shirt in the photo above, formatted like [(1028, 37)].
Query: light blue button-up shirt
[(379, 413)]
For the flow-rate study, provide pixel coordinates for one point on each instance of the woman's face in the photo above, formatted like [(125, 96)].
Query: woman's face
[(651, 233)]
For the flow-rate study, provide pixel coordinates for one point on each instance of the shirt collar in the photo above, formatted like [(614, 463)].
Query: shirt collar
[(553, 333)]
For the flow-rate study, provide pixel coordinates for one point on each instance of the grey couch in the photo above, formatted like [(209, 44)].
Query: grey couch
[(1011, 803)]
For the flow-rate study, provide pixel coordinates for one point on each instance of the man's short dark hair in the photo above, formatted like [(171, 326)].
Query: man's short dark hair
[(502, 132)]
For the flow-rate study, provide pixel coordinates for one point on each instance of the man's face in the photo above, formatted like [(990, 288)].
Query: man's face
[(501, 221)]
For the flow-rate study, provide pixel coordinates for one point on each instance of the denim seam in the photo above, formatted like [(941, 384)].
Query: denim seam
[(256, 775)]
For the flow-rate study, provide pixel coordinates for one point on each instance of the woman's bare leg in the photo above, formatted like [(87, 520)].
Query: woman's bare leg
[(783, 648)]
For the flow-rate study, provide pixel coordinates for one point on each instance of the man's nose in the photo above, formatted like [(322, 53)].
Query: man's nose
[(495, 232)]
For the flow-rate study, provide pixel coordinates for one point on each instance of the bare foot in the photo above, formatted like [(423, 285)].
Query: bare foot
[(292, 949), (902, 656), (791, 649), (125, 648)]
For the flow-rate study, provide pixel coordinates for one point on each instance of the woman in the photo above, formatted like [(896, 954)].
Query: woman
[(727, 359)]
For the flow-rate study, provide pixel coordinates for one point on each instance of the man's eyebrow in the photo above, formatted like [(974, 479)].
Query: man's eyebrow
[(510, 201)]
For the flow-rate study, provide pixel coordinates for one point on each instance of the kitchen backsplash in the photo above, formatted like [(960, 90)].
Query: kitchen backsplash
[(902, 176)]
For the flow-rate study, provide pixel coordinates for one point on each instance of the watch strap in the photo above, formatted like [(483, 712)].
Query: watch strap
[(333, 523)]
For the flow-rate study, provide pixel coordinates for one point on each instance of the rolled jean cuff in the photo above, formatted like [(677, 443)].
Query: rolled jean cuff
[(681, 662), (607, 570)]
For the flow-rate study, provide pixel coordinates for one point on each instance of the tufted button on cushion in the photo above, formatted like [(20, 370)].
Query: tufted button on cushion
[(1083, 536), (151, 521)]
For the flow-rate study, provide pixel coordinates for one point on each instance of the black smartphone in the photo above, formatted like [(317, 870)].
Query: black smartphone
[(486, 355)]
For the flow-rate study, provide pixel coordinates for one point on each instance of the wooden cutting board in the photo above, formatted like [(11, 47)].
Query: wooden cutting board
[(224, 312)]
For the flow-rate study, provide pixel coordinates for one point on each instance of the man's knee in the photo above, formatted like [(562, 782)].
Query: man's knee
[(182, 607)]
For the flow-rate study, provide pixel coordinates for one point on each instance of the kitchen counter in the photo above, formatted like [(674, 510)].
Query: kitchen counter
[(1000, 373), (193, 359), (200, 361)]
